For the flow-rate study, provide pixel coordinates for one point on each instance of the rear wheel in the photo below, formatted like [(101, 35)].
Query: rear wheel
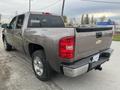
[(41, 67), (7, 46)]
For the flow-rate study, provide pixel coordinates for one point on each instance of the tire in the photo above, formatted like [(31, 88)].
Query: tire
[(40, 66), (7, 46)]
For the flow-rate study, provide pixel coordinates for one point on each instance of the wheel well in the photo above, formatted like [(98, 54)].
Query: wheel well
[(33, 47)]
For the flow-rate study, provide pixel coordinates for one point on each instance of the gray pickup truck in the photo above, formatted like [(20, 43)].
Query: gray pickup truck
[(51, 46)]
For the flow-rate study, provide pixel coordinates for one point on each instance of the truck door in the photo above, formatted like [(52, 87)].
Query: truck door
[(10, 31), (18, 39)]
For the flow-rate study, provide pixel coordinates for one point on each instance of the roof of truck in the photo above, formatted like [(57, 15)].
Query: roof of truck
[(42, 13)]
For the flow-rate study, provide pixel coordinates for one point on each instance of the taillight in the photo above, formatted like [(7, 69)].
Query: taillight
[(66, 47)]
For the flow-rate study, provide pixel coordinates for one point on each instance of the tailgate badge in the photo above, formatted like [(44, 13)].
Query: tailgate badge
[(98, 41)]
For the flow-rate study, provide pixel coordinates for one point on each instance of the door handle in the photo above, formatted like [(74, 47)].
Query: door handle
[(98, 34)]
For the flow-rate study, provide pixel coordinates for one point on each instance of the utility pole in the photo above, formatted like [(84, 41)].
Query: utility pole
[(63, 5), (29, 5)]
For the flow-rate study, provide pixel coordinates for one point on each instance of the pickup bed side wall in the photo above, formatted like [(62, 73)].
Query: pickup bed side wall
[(48, 38)]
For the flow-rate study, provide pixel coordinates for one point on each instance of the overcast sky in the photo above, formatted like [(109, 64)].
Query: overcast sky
[(8, 8)]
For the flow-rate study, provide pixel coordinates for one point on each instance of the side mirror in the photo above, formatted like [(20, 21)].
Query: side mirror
[(4, 26)]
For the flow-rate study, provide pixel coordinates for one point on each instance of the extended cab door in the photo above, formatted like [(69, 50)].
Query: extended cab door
[(18, 40)]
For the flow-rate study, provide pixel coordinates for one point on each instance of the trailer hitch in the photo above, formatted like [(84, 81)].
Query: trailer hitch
[(98, 68)]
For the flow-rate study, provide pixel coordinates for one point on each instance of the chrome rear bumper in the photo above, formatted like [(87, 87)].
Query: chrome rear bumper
[(85, 65), (75, 72)]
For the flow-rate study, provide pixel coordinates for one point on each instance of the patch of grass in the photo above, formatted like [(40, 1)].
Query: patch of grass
[(116, 38)]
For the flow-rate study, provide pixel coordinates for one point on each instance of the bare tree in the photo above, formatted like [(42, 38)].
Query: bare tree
[(95, 20), (102, 19), (71, 23), (109, 20), (82, 19), (92, 19), (65, 19), (86, 19)]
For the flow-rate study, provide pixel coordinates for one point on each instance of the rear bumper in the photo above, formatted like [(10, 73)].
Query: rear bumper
[(86, 64), (73, 72)]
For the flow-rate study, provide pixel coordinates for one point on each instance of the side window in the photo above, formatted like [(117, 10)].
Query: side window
[(20, 21), (12, 24)]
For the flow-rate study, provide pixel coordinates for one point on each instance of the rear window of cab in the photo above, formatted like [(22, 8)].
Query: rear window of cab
[(38, 20)]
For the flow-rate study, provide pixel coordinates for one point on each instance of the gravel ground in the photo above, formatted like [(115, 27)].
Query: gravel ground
[(16, 74)]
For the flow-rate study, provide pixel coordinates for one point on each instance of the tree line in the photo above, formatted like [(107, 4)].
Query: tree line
[(86, 19)]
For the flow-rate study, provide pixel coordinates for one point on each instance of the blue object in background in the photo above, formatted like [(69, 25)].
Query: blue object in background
[(105, 23)]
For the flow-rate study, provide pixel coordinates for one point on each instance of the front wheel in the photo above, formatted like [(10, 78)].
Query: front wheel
[(40, 65), (7, 46)]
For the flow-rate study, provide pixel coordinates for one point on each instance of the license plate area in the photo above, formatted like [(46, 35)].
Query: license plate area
[(96, 58)]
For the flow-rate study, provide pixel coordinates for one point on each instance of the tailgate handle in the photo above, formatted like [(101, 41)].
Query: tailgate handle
[(98, 34)]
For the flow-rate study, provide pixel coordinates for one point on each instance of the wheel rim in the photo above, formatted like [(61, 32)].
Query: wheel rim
[(4, 42), (38, 66)]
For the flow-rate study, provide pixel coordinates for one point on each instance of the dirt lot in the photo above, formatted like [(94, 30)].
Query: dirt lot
[(16, 74)]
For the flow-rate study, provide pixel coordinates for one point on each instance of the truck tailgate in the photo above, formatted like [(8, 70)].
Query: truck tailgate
[(90, 41)]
